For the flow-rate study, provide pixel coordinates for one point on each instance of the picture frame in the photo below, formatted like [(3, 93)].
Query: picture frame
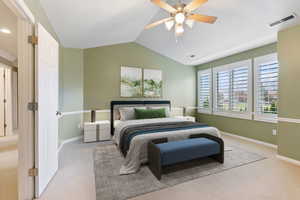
[(152, 83), (131, 82)]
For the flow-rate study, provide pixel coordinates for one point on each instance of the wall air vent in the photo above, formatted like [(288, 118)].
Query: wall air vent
[(293, 16)]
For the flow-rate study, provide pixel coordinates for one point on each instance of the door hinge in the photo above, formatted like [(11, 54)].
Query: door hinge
[(33, 172), (32, 39), (4, 100), (32, 106)]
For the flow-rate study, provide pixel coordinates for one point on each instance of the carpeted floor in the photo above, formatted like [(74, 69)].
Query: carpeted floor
[(111, 186), (8, 169)]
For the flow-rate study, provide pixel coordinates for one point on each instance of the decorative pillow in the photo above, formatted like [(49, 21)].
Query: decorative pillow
[(117, 115), (167, 109), (128, 113), (149, 113)]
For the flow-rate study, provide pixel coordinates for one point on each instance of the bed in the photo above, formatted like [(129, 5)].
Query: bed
[(132, 136)]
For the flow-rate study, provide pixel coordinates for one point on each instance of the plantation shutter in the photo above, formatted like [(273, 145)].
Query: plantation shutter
[(204, 84), (223, 90), (239, 91), (267, 88), (232, 86)]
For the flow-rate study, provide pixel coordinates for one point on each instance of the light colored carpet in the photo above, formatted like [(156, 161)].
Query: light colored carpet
[(111, 186), (8, 173)]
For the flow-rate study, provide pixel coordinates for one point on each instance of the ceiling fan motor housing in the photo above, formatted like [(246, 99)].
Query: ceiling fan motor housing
[(179, 8)]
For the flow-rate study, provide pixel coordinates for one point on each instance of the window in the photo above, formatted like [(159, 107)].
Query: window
[(266, 87), (232, 90), (204, 91), (227, 90)]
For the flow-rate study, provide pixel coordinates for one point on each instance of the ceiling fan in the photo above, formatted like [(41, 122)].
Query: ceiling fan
[(181, 14)]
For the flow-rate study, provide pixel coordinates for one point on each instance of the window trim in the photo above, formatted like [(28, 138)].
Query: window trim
[(269, 58), (232, 114), (209, 110)]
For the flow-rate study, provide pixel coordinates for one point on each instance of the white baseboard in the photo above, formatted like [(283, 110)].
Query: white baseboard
[(68, 141), (251, 140), (289, 160)]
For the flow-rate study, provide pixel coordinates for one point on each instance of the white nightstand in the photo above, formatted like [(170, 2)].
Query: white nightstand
[(188, 118), (96, 131)]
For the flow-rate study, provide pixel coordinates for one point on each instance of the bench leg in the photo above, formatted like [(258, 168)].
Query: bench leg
[(154, 160), (219, 158), (156, 170)]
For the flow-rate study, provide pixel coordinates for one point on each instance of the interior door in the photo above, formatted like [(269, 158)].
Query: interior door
[(8, 104), (2, 105), (47, 63)]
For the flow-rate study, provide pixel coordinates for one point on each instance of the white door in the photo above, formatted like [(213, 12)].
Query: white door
[(8, 104), (47, 64), (2, 104)]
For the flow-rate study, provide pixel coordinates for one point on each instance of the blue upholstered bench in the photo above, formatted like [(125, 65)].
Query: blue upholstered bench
[(163, 153)]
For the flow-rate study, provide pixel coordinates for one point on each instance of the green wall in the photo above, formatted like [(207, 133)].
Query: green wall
[(246, 128), (70, 92), (71, 79), (289, 58), (102, 74)]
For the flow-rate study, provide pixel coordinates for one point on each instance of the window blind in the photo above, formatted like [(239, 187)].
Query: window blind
[(239, 100), (267, 88), (204, 95), (223, 90), (232, 85)]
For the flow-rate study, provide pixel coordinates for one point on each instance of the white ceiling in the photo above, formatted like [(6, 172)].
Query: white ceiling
[(93, 23), (8, 42), (241, 25)]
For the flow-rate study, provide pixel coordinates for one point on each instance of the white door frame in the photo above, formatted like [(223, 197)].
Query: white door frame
[(26, 94)]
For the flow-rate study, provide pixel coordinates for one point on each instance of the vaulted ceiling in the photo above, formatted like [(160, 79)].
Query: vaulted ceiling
[(241, 25)]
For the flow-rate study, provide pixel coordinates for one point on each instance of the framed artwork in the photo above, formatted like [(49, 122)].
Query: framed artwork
[(131, 82), (152, 83)]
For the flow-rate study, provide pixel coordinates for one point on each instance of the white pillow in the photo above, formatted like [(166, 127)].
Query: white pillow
[(127, 113), (167, 109)]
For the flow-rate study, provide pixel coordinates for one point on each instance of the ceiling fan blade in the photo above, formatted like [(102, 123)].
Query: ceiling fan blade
[(194, 5), (203, 18), (158, 22), (164, 5)]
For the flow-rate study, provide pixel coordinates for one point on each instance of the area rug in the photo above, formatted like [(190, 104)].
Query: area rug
[(111, 186)]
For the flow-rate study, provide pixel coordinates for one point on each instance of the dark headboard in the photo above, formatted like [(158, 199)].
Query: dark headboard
[(118, 103)]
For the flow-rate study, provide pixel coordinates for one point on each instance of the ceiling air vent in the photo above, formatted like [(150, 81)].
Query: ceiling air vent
[(293, 16)]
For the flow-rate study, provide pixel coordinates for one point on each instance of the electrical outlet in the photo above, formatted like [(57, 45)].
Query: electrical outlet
[(274, 132)]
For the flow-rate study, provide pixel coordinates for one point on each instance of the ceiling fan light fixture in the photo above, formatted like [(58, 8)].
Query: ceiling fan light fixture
[(179, 18), (179, 30), (189, 23), (181, 15), (169, 24)]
